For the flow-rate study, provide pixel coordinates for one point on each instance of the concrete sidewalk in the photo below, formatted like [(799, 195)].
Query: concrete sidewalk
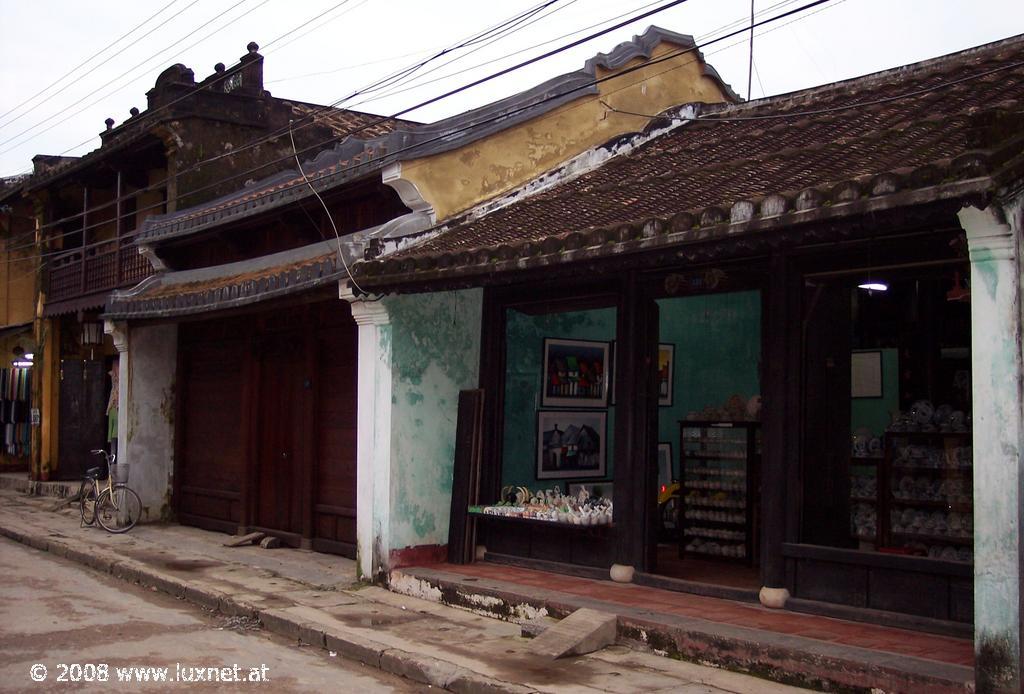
[(314, 598)]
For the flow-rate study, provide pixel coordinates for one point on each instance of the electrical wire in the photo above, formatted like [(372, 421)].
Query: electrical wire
[(309, 118), (379, 119), (341, 254), (316, 28), (646, 64), (708, 118), (88, 60), (123, 74), (506, 114)]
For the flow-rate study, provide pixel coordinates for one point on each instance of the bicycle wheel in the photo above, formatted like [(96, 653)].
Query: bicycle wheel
[(87, 501), (118, 509)]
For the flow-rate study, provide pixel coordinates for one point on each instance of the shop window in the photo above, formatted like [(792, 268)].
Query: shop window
[(887, 462), (559, 401)]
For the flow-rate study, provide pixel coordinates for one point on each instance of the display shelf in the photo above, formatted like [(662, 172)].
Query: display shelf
[(718, 457), (920, 464)]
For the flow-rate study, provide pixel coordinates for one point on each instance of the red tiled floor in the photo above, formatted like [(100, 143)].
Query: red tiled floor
[(879, 638)]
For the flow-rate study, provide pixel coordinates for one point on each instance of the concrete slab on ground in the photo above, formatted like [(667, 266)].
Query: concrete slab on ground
[(314, 599)]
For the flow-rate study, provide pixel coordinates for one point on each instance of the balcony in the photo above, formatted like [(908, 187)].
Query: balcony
[(101, 267)]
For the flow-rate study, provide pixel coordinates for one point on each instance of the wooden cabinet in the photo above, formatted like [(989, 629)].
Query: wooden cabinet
[(719, 463)]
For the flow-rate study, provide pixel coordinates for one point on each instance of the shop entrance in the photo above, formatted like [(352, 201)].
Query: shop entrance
[(709, 438)]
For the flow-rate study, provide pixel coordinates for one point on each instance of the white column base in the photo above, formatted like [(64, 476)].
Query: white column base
[(774, 598), (621, 573)]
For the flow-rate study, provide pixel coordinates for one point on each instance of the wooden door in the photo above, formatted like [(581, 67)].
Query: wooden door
[(334, 492), (83, 415), (211, 440), (279, 451)]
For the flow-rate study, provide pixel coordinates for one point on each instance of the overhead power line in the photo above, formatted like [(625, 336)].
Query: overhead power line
[(87, 61), (504, 115), (127, 72)]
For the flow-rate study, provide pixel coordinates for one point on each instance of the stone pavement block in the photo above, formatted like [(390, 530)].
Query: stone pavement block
[(353, 646), (584, 631), (417, 667)]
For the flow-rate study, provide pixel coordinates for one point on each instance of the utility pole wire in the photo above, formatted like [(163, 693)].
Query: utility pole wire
[(750, 64)]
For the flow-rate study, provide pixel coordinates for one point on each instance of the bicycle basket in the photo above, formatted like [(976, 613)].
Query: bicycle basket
[(119, 473)]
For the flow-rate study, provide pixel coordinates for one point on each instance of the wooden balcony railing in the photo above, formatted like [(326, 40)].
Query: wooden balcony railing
[(101, 267)]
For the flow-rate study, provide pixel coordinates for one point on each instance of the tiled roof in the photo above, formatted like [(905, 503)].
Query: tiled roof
[(368, 150), (946, 126), (228, 286), (342, 121)]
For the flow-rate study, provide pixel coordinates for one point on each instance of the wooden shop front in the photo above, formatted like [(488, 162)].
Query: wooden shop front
[(266, 425), (775, 392)]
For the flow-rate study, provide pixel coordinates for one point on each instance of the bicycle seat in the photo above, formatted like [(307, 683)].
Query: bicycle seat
[(93, 472)]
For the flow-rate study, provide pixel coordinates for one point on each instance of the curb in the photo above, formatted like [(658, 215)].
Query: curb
[(413, 666), (785, 659)]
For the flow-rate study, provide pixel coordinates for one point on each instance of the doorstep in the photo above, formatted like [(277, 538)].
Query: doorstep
[(20, 482), (802, 649)]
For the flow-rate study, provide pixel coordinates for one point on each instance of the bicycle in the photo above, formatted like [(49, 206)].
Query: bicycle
[(117, 508)]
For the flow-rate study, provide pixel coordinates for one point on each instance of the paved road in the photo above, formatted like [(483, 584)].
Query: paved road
[(60, 615)]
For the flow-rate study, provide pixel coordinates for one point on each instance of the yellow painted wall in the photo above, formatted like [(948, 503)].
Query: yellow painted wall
[(457, 180)]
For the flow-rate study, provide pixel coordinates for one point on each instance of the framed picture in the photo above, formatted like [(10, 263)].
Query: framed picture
[(866, 374), (575, 373), (666, 374), (664, 463), (600, 490), (571, 443)]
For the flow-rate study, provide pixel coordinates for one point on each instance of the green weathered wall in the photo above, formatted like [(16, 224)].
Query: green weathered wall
[(718, 350), (435, 349), (524, 336)]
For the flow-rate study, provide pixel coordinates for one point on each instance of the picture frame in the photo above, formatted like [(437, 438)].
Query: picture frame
[(665, 463), (596, 489), (866, 374), (571, 443), (575, 373), (666, 373)]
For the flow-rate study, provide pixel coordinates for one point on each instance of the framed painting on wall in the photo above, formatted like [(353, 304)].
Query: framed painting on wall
[(666, 374), (571, 443), (575, 373)]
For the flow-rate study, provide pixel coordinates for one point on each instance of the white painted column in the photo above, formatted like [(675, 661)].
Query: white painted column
[(145, 418), (118, 332), (373, 436), (997, 412)]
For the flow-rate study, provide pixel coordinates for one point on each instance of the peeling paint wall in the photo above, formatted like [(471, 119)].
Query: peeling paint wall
[(147, 442), (458, 180), (435, 350), (998, 441)]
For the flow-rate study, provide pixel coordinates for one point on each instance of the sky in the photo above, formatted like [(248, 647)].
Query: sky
[(67, 65)]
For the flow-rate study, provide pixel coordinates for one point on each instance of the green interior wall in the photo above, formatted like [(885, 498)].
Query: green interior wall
[(524, 339), (717, 340), (874, 413), (435, 351)]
